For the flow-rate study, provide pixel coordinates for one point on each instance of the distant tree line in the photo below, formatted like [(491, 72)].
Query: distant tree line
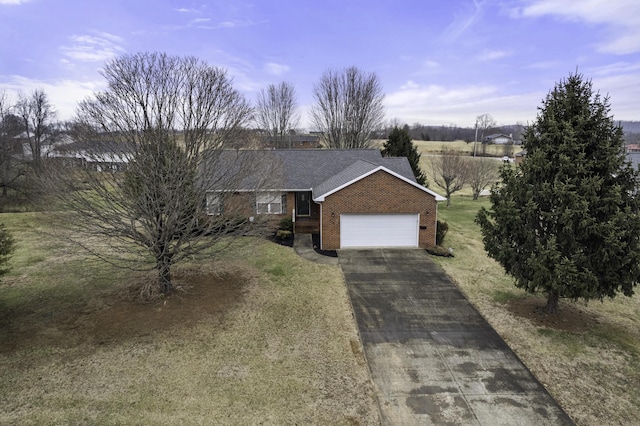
[(451, 132)]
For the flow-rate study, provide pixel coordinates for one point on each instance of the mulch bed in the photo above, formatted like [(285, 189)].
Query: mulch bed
[(316, 244)]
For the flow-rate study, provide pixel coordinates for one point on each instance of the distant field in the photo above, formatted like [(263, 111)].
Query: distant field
[(434, 147)]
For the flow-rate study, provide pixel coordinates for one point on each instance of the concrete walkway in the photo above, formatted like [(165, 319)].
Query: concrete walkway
[(433, 358), (303, 245)]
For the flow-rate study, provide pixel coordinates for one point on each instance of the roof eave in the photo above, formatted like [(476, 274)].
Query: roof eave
[(322, 197)]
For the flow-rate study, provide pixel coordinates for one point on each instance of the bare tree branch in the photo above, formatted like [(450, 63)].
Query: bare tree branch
[(38, 116), (276, 112), (450, 171), (484, 122), (482, 173), (165, 120), (348, 107)]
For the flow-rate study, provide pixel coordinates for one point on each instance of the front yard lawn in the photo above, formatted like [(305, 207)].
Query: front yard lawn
[(260, 336)]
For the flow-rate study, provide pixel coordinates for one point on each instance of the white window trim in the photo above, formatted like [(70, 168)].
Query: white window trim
[(214, 204), (271, 200)]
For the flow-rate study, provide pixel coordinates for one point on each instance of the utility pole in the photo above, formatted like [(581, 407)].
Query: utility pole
[(475, 140)]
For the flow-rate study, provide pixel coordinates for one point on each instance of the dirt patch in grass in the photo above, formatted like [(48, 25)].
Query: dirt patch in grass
[(197, 297), (568, 318), (258, 337)]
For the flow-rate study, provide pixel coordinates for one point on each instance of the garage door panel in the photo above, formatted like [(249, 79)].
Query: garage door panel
[(379, 230)]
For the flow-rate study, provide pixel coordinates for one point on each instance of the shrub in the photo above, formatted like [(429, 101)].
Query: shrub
[(441, 231), (440, 251), (283, 234), (286, 224)]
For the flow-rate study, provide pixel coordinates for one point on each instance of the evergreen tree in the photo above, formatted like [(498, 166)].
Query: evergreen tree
[(399, 145), (565, 222)]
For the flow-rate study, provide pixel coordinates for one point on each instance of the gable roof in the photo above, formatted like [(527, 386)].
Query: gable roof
[(322, 171), (498, 135), (301, 169), (359, 170)]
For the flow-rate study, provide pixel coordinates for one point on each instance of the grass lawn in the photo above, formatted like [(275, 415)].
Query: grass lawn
[(588, 356), (260, 336)]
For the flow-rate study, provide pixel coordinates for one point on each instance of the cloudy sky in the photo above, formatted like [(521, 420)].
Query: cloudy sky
[(440, 62)]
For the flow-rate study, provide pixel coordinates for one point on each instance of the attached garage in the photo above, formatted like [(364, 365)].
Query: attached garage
[(379, 230)]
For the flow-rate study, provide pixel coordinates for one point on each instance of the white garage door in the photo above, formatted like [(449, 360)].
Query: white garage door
[(379, 230)]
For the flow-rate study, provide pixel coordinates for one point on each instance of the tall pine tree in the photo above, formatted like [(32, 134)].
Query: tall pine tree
[(399, 144), (565, 222)]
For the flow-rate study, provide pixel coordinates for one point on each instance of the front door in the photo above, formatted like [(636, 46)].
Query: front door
[(303, 203)]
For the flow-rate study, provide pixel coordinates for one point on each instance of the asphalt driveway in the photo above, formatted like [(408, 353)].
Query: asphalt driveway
[(433, 358)]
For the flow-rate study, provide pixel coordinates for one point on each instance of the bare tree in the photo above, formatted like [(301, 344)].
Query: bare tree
[(482, 173), (12, 168), (38, 119), (276, 112), (165, 120), (450, 171), (484, 122), (348, 107)]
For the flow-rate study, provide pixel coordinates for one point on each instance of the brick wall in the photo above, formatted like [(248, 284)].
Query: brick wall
[(378, 193)]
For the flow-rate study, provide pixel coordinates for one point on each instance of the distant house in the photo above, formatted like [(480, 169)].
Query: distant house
[(48, 144), (498, 139), (351, 197), (632, 147), (520, 156), (99, 155)]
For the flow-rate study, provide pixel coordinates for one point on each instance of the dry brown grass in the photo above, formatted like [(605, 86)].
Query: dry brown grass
[(260, 337), (435, 147), (588, 356)]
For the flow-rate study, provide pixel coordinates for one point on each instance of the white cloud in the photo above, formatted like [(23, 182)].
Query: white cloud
[(544, 65), (438, 105), (431, 65), (621, 19), (276, 69), (623, 91), (64, 95), (462, 22), (14, 2), (491, 55), (93, 48)]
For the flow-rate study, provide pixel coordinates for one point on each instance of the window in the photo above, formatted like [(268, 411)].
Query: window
[(214, 204), (269, 203)]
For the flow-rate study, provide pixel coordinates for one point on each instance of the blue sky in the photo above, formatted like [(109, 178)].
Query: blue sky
[(439, 62)]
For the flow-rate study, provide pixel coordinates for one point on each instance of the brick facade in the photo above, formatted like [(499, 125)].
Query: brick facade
[(379, 193)]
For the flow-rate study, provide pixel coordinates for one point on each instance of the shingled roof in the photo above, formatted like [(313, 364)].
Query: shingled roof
[(321, 170)]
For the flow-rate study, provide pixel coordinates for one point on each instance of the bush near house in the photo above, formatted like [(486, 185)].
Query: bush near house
[(441, 231)]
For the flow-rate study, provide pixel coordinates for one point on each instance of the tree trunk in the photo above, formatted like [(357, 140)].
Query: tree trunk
[(552, 302), (163, 266)]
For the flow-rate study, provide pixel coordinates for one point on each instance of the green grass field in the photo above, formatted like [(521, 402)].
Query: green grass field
[(260, 335), (588, 356), (256, 336)]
